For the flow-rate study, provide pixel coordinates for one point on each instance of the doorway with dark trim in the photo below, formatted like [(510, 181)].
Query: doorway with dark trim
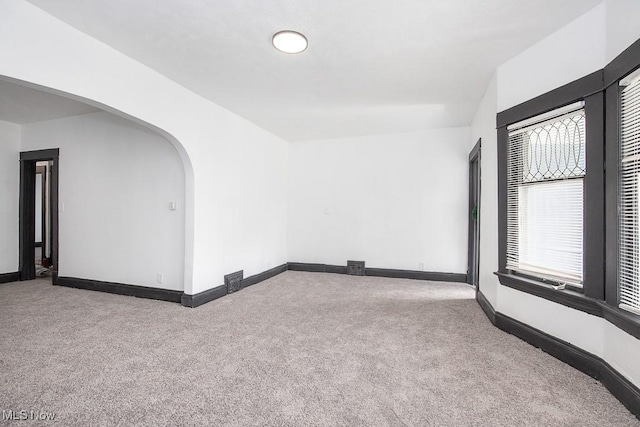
[(473, 269), (38, 177)]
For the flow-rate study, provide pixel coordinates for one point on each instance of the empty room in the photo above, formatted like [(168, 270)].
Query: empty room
[(370, 213)]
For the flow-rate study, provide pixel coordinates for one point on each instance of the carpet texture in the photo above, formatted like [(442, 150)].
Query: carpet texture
[(297, 349)]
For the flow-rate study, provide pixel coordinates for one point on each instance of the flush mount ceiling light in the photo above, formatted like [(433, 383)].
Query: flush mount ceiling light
[(289, 41)]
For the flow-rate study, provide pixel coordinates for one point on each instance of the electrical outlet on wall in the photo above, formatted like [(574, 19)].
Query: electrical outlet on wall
[(160, 277), (421, 266)]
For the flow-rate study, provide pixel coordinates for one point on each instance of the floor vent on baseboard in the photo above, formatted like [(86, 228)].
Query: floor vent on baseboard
[(233, 281), (355, 268)]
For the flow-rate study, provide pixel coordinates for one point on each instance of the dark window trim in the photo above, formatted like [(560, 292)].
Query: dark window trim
[(601, 96), (566, 297), (624, 64), (587, 89)]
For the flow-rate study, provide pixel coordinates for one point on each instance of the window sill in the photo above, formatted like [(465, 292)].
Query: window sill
[(628, 322)]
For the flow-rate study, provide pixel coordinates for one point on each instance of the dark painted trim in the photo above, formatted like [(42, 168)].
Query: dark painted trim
[(564, 95), (589, 89), (42, 170), (257, 278), (568, 353), (380, 272), (416, 275), (612, 169), (302, 266), (336, 269), (9, 277), (565, 297), (26, 221), (222, 290), (317, 268), (486, 307), (197, 300), (622, 64), (628, 322), (503, 142), (121, 289), (26, 234), (38, 155), (593, 207), (473, 226), (620, 387)]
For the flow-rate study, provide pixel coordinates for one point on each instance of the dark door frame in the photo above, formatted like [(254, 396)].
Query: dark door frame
[(27, 227), (473, 260), (42, 170)]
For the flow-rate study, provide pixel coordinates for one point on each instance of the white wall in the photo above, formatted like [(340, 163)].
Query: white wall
[(566, 55), (9, 195), (394, 201), (582, 47), (116, 180), (622, 25), (233, 173)]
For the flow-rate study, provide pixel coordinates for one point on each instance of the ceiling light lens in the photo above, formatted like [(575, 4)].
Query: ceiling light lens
[(289, 41)]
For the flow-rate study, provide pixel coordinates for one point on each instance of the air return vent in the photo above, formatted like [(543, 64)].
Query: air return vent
[(355, 268), (234, 281)]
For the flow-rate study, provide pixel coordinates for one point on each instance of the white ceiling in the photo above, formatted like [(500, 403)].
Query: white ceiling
[(24, 105), (372, 66)]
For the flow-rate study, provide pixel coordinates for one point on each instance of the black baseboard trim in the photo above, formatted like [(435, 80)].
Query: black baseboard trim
[(416, 275), (336, 269), (9, 277), (204, 297), (257, 278), (486, 307), (120, 289), (209, 295), (624, 320), (380, 272), (620, 387), (313, 268)]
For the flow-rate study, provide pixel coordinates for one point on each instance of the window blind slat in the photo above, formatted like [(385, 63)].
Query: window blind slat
[(628, 201), (545, 197)]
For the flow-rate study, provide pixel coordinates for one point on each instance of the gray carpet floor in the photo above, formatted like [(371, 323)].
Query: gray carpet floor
[(297, 349)]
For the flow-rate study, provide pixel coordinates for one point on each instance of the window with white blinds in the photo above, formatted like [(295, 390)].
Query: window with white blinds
[(629, 190), (545, 195)]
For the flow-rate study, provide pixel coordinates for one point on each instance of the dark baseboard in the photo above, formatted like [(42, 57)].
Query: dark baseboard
[(9, 277), (486, 306), (314, 268), (620, 387), (198, 299), (209, 295), (336, 269), (120, 289), (416, 275), (380, 272), (249, 281)]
